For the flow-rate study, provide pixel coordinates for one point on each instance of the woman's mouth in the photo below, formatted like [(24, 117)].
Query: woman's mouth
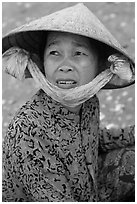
[(66, 84)]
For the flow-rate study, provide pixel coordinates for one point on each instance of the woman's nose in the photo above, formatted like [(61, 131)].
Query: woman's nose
[(65, 68)]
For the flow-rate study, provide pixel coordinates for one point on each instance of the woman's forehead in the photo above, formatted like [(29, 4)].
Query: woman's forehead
[(60, 36)]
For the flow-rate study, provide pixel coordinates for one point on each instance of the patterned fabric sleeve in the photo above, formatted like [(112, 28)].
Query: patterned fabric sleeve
[(31, 170), (110, 139)]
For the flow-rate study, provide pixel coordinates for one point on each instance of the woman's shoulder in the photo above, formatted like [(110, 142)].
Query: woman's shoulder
[(27, 120), (32, 108), (30, 113)]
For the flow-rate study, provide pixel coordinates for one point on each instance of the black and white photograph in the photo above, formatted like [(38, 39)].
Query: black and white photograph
[(68, 102)]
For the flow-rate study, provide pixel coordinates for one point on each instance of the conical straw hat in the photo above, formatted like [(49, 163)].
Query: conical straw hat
[(77, 19)]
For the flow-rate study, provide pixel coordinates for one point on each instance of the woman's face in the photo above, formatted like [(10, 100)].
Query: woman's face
[(69, 60)]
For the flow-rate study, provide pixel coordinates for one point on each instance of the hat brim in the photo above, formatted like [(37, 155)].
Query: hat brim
[(32, 36)]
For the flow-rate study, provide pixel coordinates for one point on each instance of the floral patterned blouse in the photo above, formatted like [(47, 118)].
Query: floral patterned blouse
[(51, 154)]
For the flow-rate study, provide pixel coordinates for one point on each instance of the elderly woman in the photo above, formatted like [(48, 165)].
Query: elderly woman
[(54, 149)]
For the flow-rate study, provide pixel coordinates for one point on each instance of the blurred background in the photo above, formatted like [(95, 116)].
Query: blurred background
[(117, 106)]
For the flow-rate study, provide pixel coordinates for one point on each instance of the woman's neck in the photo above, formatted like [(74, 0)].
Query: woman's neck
[(75, 109)]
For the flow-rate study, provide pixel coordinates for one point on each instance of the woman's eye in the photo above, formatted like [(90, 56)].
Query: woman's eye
[(54, 52), (78, 53)]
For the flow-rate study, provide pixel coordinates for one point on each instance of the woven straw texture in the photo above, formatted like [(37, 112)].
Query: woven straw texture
[(77, 19)]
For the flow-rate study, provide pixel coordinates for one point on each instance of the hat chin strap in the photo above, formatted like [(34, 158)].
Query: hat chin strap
[(16, 60), (69, 97)]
